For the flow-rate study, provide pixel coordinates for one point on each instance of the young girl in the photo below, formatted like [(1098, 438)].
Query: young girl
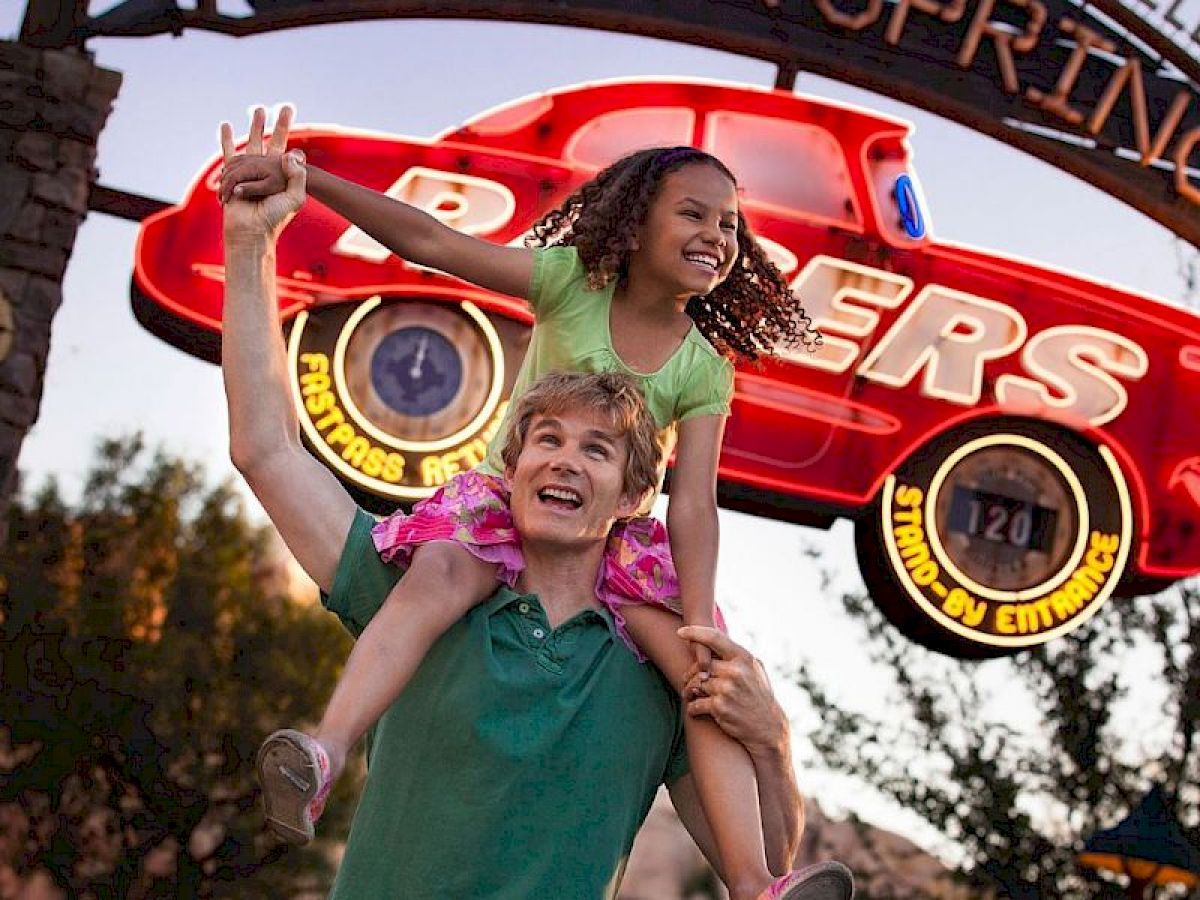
[(649, 269)]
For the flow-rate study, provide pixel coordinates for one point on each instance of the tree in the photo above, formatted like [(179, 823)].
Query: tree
[(149, 645), (1017, 802)]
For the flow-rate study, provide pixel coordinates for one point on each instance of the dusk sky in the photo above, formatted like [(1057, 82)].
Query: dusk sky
[(108, 376)]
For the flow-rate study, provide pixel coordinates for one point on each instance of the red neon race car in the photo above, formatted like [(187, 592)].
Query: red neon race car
[(993, 426)]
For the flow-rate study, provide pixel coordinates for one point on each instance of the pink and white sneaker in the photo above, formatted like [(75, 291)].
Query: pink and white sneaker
[(824, 881), (295, 775)]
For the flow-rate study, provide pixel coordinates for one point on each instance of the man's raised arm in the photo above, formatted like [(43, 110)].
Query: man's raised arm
[(308, 506)]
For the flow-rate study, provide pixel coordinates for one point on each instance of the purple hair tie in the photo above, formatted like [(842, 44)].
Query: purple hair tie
[(678, 153)]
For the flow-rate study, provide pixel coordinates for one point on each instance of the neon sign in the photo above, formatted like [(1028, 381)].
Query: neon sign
[(994, 426)]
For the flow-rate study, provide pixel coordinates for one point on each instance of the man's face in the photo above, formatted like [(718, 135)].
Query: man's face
[(568, 483)]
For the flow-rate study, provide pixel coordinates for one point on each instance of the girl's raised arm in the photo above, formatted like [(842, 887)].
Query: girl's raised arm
[(414, 235), (410, 233)]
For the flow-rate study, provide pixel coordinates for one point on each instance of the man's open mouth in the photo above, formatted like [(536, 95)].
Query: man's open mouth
[(565, 498)]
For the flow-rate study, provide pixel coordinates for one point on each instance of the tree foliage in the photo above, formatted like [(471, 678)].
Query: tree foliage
[(1016, 796), (148, 646)]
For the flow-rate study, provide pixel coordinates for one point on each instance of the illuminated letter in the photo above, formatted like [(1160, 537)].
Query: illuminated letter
[(1056, 103), (951, 335), (468, 204), (1006, 42), (1183, 150), (826, 286), (948, 12), (1131, 74), (1076, 361), (864, 19)]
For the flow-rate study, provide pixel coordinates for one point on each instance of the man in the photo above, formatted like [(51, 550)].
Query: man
[(524, 754)]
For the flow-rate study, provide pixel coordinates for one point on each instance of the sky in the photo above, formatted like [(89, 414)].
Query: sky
[(107, 376)]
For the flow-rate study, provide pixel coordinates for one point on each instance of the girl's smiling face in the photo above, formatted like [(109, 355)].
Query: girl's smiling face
[(688, 241)]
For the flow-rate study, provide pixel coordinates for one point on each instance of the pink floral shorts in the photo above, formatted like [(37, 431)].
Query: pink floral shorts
[(472, 510)]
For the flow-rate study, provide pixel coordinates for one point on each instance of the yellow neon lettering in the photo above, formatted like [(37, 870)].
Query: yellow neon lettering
[(431, 471), (907, 535), (1107, 543), (1077, 593), (914, 555), (320, 403), (910, 497), (372, 466), (1027, 619), (450, 466), (356, 451), (926, 573), (314, 383), (1087, 577), (335, 417), (343, 434), (316, 362), (393, 468)]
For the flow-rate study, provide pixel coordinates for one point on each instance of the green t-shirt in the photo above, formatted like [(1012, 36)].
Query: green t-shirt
[(572, 334), (518, 763)]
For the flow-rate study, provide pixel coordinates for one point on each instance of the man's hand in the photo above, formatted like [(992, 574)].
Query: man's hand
[(252, 220), (735, 692)]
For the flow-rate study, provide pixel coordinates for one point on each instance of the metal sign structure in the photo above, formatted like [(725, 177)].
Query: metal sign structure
[(1106, 90)]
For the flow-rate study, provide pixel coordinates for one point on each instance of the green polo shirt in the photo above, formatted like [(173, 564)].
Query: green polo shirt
[(518, 763)]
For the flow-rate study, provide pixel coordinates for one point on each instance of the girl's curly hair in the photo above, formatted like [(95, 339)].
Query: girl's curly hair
[(748, 315)]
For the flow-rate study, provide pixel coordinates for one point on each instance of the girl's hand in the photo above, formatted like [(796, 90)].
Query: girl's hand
[(245, 219), (252, 178), (701, 657), (736, 693)]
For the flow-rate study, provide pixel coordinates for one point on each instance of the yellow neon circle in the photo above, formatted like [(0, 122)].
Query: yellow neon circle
[(981, 637), (481, 418), (935, 541), (385, 488)]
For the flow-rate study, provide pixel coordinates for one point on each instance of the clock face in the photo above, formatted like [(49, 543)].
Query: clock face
[(1006, 518), (416, 371)]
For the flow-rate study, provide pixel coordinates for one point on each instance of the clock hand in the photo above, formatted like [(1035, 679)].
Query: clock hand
[(422, 348)]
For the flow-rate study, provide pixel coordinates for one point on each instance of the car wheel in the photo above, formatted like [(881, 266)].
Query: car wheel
[(997, 537), (396, 396)]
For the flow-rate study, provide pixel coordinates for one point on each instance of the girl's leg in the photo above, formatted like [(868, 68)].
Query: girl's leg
[(723, 770), (443, 582)]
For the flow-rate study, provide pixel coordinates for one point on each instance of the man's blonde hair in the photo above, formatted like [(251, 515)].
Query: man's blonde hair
[(613, 393)]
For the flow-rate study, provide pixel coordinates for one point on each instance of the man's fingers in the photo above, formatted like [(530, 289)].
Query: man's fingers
[(711, 638), (279, 134), (702, 706), (227, 149), (258, 121)]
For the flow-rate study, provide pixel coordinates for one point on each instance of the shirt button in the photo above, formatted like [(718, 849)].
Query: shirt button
[(539, 633), (522, 607)]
